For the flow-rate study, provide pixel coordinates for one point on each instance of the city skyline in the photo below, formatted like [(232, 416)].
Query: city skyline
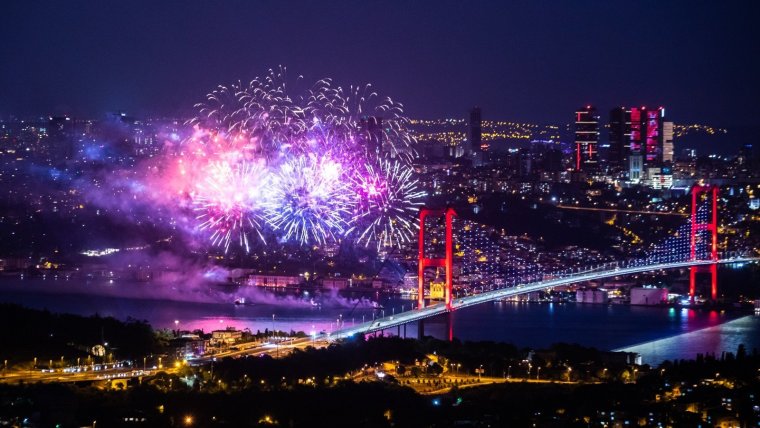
[(379, 213), (507, 64)]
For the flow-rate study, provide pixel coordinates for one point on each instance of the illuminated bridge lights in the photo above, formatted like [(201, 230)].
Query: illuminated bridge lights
[(607, 270), (511, 265)]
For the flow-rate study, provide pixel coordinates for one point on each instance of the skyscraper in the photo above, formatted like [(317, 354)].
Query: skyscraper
[(650, 139), (667, 142), (586, 139), (620, 138), (653, 142)]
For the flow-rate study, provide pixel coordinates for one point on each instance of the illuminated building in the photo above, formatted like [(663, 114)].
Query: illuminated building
[(635, 167), (586, 139), (648, 296), (667, 142), (652, 149), (651, 142), (660, 177), (754, 203)]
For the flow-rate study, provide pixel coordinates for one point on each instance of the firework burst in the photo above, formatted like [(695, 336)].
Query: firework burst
[(309, 200), (227, 203), (296, 162), (389, 201)]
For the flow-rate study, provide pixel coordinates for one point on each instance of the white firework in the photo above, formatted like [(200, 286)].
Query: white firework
[(389, 202)]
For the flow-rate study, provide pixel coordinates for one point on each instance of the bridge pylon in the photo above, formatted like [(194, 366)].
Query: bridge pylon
[(447, 262), (711, 191)]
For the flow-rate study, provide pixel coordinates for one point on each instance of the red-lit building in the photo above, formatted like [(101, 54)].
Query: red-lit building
[(640, 139), (586, 139)]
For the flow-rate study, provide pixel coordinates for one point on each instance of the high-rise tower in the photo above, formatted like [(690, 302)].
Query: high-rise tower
[(620, 137), (667, 142), (651, 141), (586, 139)]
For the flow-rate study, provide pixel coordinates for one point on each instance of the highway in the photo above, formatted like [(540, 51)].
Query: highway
[(32, 376), (278, 349), (600, 272)]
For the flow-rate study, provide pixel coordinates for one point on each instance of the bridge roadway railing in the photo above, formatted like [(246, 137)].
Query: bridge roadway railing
[(592, 273)]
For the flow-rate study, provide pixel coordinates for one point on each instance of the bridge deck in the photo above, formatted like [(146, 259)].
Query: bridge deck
[(463, 302)]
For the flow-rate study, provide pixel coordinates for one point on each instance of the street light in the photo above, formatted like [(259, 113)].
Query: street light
[(538, 375), (276, 345)]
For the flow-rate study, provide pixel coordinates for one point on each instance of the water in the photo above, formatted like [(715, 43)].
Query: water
[(654, 332), (712, 340)]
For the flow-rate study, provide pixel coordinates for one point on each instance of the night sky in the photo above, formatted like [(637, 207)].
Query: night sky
[(528, 61)]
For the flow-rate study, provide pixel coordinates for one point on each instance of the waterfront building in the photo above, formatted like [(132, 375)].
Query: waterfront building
[(648, 296), (273, 280)]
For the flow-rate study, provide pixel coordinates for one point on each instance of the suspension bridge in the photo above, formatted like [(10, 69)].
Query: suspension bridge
[(694, 246)]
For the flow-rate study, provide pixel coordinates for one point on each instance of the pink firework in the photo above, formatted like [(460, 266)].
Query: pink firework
[(227, 203)]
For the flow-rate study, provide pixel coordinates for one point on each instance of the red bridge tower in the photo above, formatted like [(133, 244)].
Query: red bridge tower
[(447, 262), (711, 226)]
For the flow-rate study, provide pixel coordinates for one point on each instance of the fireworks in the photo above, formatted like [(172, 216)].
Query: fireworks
[(390, 200), (312, 166), (310, 200), (227, 203)]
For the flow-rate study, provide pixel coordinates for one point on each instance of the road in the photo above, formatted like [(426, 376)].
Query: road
[(275, 350), (33, 376), (278, 349)]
